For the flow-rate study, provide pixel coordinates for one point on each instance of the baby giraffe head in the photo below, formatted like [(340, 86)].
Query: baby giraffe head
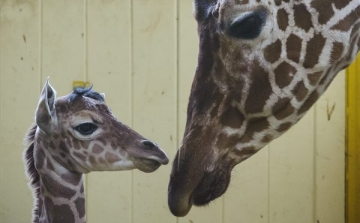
[(80, 133)]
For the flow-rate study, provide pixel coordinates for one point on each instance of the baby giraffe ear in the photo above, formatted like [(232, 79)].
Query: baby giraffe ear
[(45, 112)]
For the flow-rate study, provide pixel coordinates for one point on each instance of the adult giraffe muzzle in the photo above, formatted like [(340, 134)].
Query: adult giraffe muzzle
[(261, 66)]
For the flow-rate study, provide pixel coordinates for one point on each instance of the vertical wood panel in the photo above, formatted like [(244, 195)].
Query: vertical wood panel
[(291, 188), (62, 45), (247, 196), (108, 64), (154, 104), (19, 96), (330, 153)]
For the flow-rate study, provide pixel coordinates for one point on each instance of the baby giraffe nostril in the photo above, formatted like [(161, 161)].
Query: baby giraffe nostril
[(149, 143)]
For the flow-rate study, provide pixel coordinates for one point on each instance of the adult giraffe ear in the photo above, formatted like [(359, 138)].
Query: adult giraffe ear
[(45, 112)]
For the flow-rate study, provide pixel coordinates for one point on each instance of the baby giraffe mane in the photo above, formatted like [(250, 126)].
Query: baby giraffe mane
[(31, 171)]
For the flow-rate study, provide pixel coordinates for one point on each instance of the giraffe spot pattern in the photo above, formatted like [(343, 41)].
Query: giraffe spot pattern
[(293, 47), (284, 127), (97, 149), (309, 102), (59, 213), (282, 19), (282, 108), (314, 77), (326, 9), (300, 91), (347, 23), (273, 51), (302, 17), (260, 89), (232, 117), (336, 52), (55, 188), (255, 125), (80, 206), (313, 50), (284, 74)]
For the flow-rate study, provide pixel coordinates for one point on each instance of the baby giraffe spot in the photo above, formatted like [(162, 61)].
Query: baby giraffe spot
[(302, 17), (81, 156), (325, 8), (273, 51), (92, 159), (293, 48), (97, 149), (55, 188), (282, 19), (80, 206), (63, 147), (111, 157), (284, 74), (260, 90)]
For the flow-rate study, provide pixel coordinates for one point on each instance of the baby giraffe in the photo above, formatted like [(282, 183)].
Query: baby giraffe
[(76, 134)]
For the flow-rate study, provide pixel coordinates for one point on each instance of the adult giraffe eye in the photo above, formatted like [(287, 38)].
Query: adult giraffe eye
[(86, 128), (249, 26)]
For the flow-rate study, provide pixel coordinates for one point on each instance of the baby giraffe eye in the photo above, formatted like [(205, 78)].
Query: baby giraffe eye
[(86, 128), (249, 26)]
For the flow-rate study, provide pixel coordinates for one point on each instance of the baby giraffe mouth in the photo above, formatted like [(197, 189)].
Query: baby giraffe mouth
[(148, 165)]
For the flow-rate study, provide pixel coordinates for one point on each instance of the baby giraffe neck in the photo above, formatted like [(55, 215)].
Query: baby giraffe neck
[(61, 195)]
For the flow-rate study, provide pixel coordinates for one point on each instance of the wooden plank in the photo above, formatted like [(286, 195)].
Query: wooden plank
[(154, 100), (108, 40), (247, 196), (330, 153), (19, 92), (63, 45), (291, 166)]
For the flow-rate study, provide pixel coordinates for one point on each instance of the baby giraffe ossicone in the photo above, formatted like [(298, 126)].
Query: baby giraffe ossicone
[(73, 135)]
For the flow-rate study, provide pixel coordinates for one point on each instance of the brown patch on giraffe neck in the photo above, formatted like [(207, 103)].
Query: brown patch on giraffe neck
[(300, 91), (336, 52), (325, 9), (284, 127), (59, 213), (282, 19), (309, 102), (293, 47), (282, 108), (302, 17), (313, 50), (314, 77), (347, 23), (232, 117), (273, 51), (254, 126), (55, 188), (80, 206), (260, 89), (284, 74)]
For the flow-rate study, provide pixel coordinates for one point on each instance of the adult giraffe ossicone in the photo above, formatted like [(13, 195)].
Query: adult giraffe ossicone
[(262, 64), (76, 134)]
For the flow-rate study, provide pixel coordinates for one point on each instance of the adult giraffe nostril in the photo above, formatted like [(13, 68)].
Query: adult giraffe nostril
[(149, 143)]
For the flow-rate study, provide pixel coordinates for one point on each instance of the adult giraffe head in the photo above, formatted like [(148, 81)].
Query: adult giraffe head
[(262, 64)]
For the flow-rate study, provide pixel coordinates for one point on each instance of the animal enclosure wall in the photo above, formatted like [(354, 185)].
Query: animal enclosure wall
[(143, 54)]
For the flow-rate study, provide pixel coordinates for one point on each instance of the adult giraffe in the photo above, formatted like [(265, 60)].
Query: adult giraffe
[(262, 64)]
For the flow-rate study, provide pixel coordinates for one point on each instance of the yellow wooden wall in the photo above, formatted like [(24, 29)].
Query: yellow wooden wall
[(142, 54)]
